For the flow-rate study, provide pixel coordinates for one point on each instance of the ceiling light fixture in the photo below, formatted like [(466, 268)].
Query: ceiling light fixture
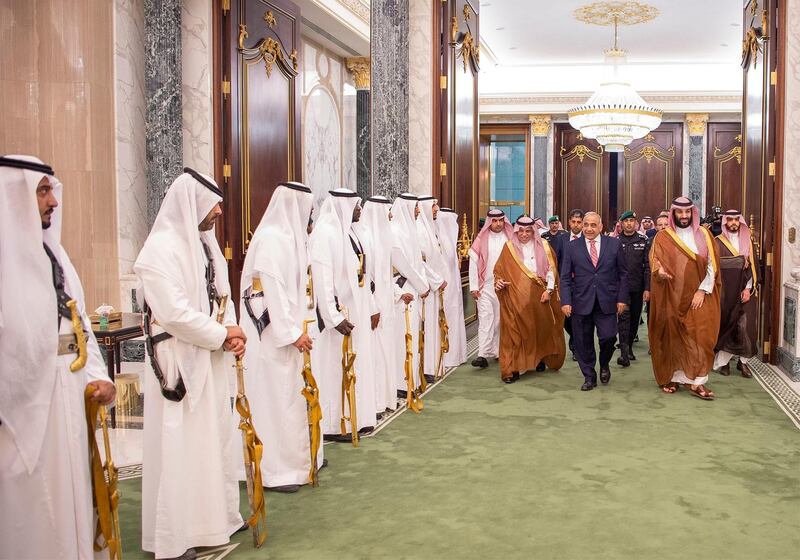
[(615, 114)]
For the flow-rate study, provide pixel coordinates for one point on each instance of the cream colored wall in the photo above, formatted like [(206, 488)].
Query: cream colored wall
[(56, 82)]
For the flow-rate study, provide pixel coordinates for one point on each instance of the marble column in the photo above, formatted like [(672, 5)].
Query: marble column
[(696, 123), (164, 117), (389, 36), (540, 131), (359, 68)]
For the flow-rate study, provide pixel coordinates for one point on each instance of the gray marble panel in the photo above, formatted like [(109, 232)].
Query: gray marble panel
[(363, 147), (132, 350), (539, 202), (164, 118), (389, 33), (696, 149), (789, 364)]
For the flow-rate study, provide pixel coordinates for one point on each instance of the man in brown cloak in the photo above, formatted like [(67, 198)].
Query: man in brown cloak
[(531, 321), (737, 266), (684, 302)]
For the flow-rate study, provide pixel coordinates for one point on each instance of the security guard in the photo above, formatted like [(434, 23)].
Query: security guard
[(635, 248)]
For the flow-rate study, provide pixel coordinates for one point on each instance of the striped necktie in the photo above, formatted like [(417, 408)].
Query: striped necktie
[(593, 252)]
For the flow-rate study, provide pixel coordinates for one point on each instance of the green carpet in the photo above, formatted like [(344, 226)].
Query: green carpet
[(539, 469)]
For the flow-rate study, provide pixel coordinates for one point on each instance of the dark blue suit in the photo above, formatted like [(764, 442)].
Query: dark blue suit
[(593, 294)]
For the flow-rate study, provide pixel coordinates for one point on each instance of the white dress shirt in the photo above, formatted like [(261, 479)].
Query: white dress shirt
[(596, 245), (734, 240)]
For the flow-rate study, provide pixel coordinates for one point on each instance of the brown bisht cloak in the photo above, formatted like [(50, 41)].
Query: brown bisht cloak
[(530, 331), (738, 327), (681, 338)]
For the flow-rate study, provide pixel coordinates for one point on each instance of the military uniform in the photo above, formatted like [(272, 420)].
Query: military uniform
[(636, 250)]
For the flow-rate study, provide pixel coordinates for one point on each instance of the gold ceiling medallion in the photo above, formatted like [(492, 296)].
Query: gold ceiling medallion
[(270, 51), (624, 13), (270, 20)]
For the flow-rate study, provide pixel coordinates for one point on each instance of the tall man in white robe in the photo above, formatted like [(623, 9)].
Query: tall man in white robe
[(374, 231), (411, 283), (447, 227), (435, 271), (190, 491), (45, 487), (483, 255), (273, 307), (346, 306)]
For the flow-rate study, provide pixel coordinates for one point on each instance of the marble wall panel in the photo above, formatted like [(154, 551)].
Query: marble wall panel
[(539, 178), (420, 100), (58, 102), (350, 135), (197, 96), (389, 42), (131, 110), (791, 163), (696, 163), (164, 120), (322, 144)]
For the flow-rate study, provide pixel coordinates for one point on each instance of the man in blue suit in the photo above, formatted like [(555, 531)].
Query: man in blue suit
[(594, 291)]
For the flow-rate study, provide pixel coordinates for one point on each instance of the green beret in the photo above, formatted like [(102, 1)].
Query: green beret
[(553, 219), (628, 214)]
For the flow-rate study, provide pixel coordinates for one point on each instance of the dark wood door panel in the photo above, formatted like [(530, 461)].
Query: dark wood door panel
[(581, 174), (724, 186)]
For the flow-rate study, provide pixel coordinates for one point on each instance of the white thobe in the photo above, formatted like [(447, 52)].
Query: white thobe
[(49, 513), (327, 353), (454, 312), (415, 284), (488, 305), (529, 260), (434, 274), (722, 358), (707, 285), (190, 489), (274, 383)]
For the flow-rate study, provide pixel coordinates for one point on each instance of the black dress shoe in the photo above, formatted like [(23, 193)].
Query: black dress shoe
[(324, 464), (430, 378), (190, 554), (338, 438), (401, 394), (725, 370), (631, 357), (366, 430), (480, 362), (623, 359), (508, 380), (286, 489), (744, 369), (515, 375), (588, 386), (541, 367), (605, 375)]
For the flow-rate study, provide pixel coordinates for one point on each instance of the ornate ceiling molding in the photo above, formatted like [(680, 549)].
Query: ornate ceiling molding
[(359, 7), (622, 13), (654, 98)]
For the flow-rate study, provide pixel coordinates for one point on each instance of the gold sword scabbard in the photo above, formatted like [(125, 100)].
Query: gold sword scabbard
[(80, 337), (423, 383), (413, 402), (310, 393)]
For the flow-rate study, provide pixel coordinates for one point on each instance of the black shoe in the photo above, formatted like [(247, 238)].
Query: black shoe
[(366, 430), (636, 337), (725, 370), (190, 554), (401, 394), (430, 378), (338, 438), (480, 362), (605, 375), (324, 464), (574, 358), (508, 380), (287, 489), (515, 375), (244, 527), (623, 359), (631, 357), (588, 386), (541, 367)]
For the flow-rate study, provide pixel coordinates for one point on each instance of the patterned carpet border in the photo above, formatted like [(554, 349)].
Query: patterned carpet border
[(777, 387)]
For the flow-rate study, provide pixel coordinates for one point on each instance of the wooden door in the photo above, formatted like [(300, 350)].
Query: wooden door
[(724, 167), (760, 62), (581, 174), (457, 107), (258, 115), (650, 171)]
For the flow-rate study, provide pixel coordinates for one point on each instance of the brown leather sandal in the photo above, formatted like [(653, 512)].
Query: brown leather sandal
[(702, 393)]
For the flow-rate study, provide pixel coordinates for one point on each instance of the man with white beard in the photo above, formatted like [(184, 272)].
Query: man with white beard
[(190, 491), (273, 310), (45, 484), (411, 281), (345, 306), (374, 231), (435, 270), (447, 227), (483, 255)]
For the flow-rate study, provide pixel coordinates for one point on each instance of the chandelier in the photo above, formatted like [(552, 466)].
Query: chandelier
[(615, 115)]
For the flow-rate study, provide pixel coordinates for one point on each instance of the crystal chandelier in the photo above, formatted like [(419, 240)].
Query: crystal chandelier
[(615, 115)]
